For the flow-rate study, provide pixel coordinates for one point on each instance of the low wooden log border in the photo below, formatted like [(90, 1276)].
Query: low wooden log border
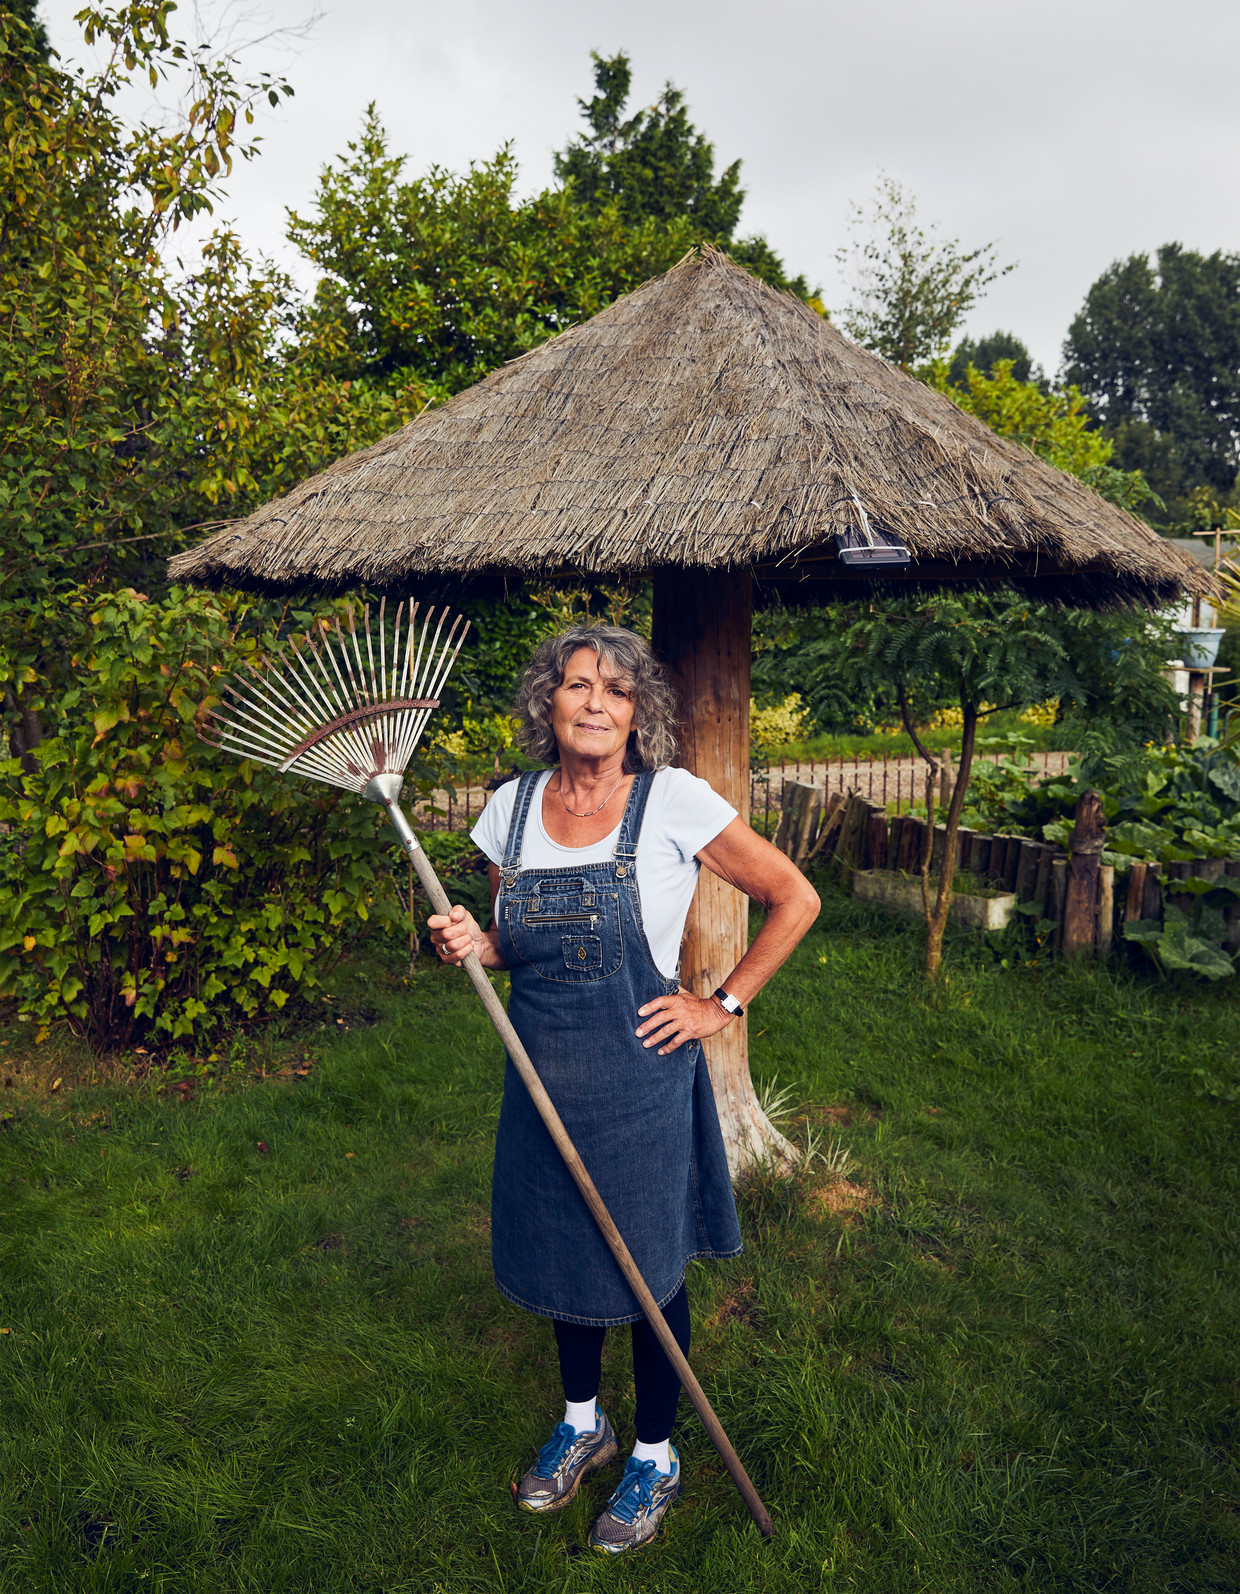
[(1083, 902)]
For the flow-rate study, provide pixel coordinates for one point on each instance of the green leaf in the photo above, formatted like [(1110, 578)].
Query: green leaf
[(1179, 949), (1226, 777)]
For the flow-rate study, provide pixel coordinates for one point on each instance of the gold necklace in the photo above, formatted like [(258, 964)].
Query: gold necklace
[(592, 811)]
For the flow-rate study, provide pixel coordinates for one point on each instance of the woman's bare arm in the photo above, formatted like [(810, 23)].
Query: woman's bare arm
[(455, 935), (742, 858)]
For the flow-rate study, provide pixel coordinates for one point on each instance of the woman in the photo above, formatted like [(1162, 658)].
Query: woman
[(593, 868)]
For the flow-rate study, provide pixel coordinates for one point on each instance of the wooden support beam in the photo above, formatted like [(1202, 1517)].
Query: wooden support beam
[(1080, 923), (1055, 899), (1026, 870), (702, 630), (1106, 908)]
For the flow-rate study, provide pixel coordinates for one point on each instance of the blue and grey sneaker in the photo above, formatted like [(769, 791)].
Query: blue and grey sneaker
[(563, 1462), (636, 1510)]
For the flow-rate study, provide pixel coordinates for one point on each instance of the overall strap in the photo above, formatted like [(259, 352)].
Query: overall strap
[(631, 824), (516, 826)]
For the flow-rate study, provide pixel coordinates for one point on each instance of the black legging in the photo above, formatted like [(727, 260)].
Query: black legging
[(658, 1387)]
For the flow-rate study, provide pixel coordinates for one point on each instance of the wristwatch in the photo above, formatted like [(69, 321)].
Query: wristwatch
[(729, 1003)]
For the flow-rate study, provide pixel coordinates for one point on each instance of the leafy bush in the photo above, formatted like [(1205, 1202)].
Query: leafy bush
[(1166, 805), (1169, 805), (151, 886), (775, 724)]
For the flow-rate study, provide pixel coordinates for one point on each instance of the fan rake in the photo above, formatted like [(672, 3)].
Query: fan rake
[(349, 711)]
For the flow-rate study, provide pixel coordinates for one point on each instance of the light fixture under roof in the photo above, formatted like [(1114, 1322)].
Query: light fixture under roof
[(863, 545)]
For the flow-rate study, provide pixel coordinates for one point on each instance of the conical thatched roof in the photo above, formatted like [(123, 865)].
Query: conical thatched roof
[(704, 420)]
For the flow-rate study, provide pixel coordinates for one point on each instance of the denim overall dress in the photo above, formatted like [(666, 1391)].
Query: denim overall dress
[(645, 1125)]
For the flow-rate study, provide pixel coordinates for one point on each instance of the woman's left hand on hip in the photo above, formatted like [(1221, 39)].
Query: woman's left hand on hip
[(673, 1020)]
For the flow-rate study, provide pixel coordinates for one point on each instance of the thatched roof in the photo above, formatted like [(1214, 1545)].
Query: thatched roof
[(703, 420)]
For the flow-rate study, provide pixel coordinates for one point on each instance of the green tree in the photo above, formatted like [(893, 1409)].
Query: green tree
[(444, 277), (995, 651), (1156, 351), (911, 289), (985, 353), (991, 649), (1054, 424), (135, 403), (655, 165), (30, 37)]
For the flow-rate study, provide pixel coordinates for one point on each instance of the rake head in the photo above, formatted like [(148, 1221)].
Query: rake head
[(347, 709)]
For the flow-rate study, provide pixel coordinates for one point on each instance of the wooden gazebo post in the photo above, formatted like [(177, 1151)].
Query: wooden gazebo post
[(702, 631)]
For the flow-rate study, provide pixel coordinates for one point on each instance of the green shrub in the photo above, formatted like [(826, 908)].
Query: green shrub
[(151, 886)]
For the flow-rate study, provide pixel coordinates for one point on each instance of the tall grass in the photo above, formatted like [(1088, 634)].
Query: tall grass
[(999, 1354)]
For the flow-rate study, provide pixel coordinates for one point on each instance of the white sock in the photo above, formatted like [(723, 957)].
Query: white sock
[(581, 1415), (660, 1454)]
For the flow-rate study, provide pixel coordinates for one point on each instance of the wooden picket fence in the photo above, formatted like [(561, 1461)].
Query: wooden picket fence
[(894, 783), (1080, 897)]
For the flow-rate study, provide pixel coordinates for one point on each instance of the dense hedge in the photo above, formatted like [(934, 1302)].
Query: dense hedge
[(149, 884)]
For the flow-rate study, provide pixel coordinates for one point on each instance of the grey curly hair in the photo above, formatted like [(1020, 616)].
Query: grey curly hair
[(624, 654)]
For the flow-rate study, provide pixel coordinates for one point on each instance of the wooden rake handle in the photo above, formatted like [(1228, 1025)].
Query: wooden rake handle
[(615, 1240)]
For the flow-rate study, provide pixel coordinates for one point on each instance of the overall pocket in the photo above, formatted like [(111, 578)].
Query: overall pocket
[(566, 936)]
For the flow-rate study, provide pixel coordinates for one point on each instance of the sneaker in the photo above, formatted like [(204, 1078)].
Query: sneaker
[(636, 1510), (563, 1462)]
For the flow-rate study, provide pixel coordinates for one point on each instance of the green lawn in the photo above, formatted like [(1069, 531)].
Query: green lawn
[(1013, 1367)]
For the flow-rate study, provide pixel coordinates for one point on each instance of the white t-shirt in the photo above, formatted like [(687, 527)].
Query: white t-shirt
[(682, 815)]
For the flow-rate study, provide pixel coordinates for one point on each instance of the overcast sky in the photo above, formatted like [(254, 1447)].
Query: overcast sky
[(1071, 132)]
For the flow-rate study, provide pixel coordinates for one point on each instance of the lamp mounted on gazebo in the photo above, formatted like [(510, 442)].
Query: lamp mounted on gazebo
[(709, 433)]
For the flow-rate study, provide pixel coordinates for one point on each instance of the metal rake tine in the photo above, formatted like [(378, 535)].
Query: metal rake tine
[(363, 691), (448, 657), (320, 646), (358, 681), (261, 722), (408, 716), (409, 676), (256, 752), (260, 741), (404, 673), (330, 704), (446, 660), (361, 751), (383, 646), (416, 720), (376, 694), (438, 675), (417, 663), (383, 694), (270, 693), (280, 732), (327, 695), (434, 648), (389, 721), (324, 686), (301, 672), (348, 690)]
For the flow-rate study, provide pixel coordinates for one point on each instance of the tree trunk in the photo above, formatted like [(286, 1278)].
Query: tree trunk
[(1080, 919), (702, 630), (26, 732), (937, 921)]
